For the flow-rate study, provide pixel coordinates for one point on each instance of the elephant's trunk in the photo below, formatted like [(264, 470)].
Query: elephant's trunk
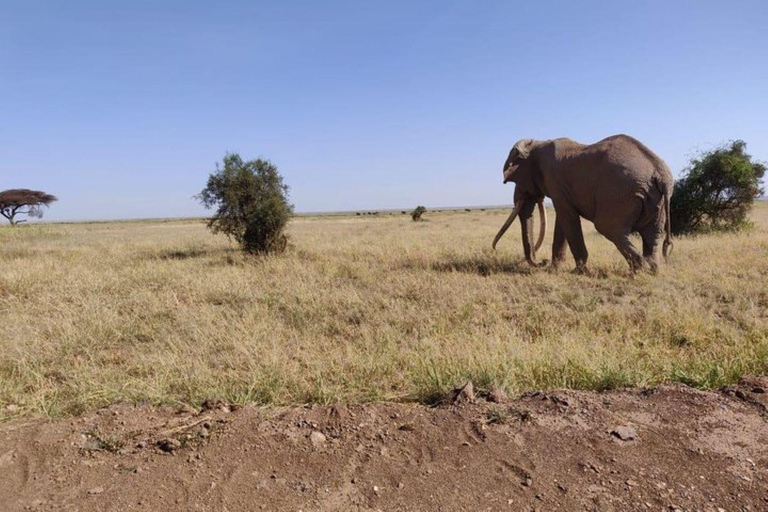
[(526, 226), (508, 223)]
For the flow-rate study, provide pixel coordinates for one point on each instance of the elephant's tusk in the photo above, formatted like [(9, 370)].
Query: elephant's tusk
[(508, 223), (542, 227)]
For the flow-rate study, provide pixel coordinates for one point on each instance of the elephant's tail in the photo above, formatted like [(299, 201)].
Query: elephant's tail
[(668, 245)]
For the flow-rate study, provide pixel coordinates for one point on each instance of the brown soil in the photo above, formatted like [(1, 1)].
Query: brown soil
[(681, 449)]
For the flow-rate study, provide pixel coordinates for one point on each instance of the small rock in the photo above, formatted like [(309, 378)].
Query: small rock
[(96, 490), (464, 394), (376, 488), (169, 445), (216, 405), (631, 483), (400, 485), (497, 396), (528, 482), (12, 408), (625, 433), (741, 395), (758, 389), (203, 433), (318, 439)]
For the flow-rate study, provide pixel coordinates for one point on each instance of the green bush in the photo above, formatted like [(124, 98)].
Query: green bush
[(251, 203), (418, 212), (716, 190)]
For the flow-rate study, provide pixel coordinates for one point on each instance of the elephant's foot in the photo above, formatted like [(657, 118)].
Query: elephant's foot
[(653, 267), (554, 269), (537, 264), (636, 264), (582, 270)]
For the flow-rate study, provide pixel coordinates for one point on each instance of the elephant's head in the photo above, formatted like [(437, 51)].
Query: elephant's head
[(518, 163), (521, 168)]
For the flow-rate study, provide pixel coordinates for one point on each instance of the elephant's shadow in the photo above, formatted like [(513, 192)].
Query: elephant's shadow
[(182, 254), (479, 265)]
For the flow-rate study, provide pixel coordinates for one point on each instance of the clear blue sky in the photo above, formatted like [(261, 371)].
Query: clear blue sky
[(122, 109)]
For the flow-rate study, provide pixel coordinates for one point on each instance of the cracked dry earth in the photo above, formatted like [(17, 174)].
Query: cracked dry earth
[(667, 448)]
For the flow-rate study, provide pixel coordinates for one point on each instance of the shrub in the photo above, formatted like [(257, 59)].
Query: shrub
[(716, 190), (251, 203), (418, 212)]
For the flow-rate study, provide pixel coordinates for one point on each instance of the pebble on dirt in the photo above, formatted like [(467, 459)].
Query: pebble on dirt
[(318, 439), (464, 394), (169, 445), (625, 433), (497, 396)]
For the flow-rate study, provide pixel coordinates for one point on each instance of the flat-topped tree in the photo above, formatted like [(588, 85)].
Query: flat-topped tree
[(22, 201)]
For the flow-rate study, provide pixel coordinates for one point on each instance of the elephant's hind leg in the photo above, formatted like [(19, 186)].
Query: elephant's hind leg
[(625, 247), (651, 237)]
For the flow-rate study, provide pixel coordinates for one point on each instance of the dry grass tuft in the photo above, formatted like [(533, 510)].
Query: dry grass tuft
[(361, 308)]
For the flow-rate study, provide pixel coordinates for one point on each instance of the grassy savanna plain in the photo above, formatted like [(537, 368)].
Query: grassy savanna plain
[(361, 308)]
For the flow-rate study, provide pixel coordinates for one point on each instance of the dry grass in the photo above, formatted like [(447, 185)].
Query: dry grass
[(361, 308)]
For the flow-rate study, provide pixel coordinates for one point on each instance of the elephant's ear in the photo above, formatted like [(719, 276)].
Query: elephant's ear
[(523, 148)]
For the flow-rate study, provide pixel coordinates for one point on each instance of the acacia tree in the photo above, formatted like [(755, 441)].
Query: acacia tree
[(22, 201), (251, 203), (717, 190)]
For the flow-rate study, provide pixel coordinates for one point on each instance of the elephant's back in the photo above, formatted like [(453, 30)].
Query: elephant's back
[(632, 175), (626, 151)]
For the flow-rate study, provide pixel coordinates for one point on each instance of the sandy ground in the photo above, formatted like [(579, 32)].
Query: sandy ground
[(666, 448)]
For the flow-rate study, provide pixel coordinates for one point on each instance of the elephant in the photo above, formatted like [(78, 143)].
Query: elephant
[(617, 183)]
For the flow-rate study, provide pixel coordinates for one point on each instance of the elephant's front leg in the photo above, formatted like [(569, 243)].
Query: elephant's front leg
[(570, 222), (558, 244)]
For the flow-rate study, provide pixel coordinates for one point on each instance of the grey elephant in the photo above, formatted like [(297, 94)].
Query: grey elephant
[(618, 183)]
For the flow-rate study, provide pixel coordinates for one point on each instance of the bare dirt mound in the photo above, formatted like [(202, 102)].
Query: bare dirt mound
[(660, 449)]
